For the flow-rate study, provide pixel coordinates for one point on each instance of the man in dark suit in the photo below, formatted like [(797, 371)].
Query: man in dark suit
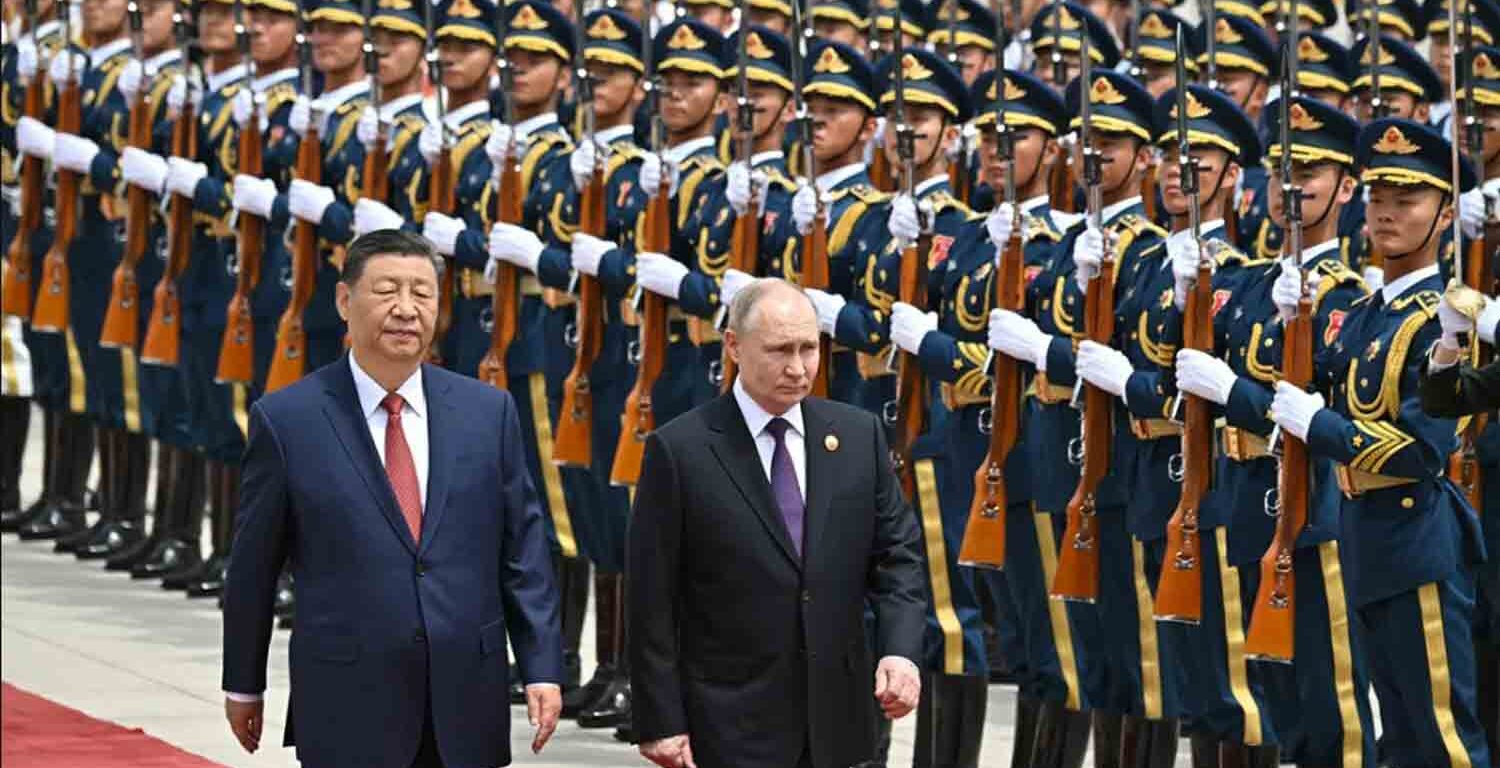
[(399, 493), (763, 523)]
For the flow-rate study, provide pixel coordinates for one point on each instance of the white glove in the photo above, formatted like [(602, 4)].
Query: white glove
[(1185, 257), (130, 78), (828, 306), (301, 116), (1293, 409), (1018, 337), (1287, 290), (1202, 374), (1488, 320), (514, 245), (183, 176), (34, 138), (650, 175), (308, 201), (910, 325), (498, 144), (1088, 254), (373, 216), (581, 162), (731, 284), (1105, 367), (804, 207), (243, 105), (1491, 190), (1374, 278), (177, 95), (59, 70), (253, 195), (74, 153), (143, 169), (1453, 322), (588, 251), (903, 223), (659, 274), (430, 141), (368, 127), (442, 231), (737, 187), (999, 225), (1471, 212), (27, 59)]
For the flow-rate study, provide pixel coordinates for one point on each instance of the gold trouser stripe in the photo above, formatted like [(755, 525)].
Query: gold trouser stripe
[(8, 364), (1057, 610), (1146, 628), (78, 401), (1234, 641), (1343, 654), (937, 568), (551, 477), (237, 395), (130, 385), (1437, 666)]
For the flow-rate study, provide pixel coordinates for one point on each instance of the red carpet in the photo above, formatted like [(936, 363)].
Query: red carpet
[(38, 732)]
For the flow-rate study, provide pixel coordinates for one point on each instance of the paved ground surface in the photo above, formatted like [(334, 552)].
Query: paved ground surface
[(136, 655)]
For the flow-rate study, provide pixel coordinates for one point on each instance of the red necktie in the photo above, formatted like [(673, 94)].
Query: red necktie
[(399, 466)]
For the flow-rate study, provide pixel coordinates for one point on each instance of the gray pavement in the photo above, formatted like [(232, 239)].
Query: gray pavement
[(133, 654)]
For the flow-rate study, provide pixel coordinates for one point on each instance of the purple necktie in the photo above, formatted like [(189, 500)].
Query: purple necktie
[(784, 484)]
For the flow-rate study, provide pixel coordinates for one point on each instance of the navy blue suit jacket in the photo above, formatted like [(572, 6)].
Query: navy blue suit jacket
[(387, 625)]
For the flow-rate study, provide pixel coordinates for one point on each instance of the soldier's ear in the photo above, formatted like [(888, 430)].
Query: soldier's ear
[(1347, 185), (1422, 111)]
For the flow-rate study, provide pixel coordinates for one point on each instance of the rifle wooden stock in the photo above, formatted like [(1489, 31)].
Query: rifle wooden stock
[(911, 383), (1179, 594), (1463, 466), (1273, 619), (237, 350), (639, 418), (289, 361), (1148, 190), (744, 244), (506, 300), (121, 317), (1077, 577), (164, 330), (376, 180), (440, 199), (882, 177), (50, 314), (814, 274), (984, 536), (1060, 185), (574, 446), (16, 298)]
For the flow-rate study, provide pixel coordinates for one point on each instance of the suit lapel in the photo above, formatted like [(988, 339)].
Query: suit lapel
[(821, 472), (343, 412), (735, 450), (441, 422)]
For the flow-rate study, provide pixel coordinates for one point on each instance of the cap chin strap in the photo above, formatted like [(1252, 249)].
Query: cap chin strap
[(1135, 157), (1431, 230), (1327, 209)]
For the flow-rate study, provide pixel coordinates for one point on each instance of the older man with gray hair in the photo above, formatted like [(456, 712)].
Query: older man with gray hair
[(750, 564)]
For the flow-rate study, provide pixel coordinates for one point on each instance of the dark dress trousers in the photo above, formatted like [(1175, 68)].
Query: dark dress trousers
[(389, 628), (758, 655)]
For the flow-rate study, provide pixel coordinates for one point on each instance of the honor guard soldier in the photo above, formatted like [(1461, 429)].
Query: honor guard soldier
[(1314, 15), (1332, 724), (775, 15), (914, 24), (1483, 16), (1156, 53), (1243, 56), (842, 21), (1409, 538), (1057, 32), (1408, 84), (1403, 19), (964, 32)]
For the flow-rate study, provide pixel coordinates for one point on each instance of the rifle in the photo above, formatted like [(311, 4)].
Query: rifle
[(121, 319), (959, 178), (814, 272), (575, 420), (1077, 576), (1210, 14), (1060, 180), (650, 350), (376, 178), (16, 297), (1179, 594), (745, 237), (440, 188), (289, 361), (50, 313), (882, 176), (507, 298), (237, 350), (164, 329), (1272, 632), (984, 537)]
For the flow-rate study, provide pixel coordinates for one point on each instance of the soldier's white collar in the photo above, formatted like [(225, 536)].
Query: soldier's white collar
[(920, 191), (217, 80), (611, 135), (1205, 229), (155, 63), (260, 84), (1393, 290), (761, 158), (525, 128), (683, 151), (324, 105), (45, 29), (1030, 205), (457, 117), (1308, 254), (102, 54), (396, 106), (830, 179), (1111, 212)]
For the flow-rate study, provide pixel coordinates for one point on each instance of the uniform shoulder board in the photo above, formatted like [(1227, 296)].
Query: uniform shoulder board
[(1225, 254), (1156, 246), (1426, 301), (1038, 227), (868, 194), (279, 94), (1065, 221), (943, 200), (776, 177), (703, 161), (1140, 225), (411, 122)]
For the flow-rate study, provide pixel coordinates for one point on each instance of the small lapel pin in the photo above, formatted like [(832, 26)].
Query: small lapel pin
[(831, 442)]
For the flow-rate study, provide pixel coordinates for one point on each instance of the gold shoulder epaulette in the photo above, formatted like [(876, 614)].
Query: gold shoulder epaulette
[(1426, 301), (868, 194), (1038, 227), (1140, 225)]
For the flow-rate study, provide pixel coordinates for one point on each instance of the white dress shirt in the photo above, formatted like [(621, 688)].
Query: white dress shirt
[(413, 418), (756, 418)]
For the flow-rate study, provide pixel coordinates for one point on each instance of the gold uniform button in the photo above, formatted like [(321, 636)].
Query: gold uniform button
[(1407, 503)]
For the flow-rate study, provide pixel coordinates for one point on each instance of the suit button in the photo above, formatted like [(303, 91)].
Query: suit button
[(421, 568), (420, 636), (806, 596)]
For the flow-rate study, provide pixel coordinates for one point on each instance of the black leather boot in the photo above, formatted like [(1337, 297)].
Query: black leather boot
[(168, 461), (51, 437), (133, 472), (1024, 743), (1109, 730), (1487, 662), (109, 502), (573, 587), (951, 724), (178, 579), (1157, 744), (15, 422), (211, 582), (605, 607), (612, 708), (178, 547), (1062, 736), (1204, 750), (73, 461), (1234, 755)]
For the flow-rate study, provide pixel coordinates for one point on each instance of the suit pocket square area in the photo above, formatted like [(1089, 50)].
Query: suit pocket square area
[(492, 638)]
